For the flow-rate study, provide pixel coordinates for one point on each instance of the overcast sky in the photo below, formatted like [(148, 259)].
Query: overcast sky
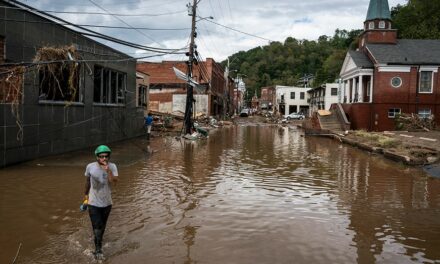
[(262, 21)]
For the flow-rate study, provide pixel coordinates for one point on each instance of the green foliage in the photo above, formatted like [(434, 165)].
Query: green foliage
[(419, 19), (285, 63)]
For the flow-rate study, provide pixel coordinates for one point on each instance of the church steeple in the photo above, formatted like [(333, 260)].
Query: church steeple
[(377, 25), (378, 9)]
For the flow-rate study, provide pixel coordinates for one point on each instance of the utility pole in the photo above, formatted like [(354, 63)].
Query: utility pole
[(189, 92)]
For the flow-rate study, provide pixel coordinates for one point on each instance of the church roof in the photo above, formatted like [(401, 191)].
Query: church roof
[(378, 9), (360, 59), (407, 52)]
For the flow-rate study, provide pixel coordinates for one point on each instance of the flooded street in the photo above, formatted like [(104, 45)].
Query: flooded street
[(247, 194)]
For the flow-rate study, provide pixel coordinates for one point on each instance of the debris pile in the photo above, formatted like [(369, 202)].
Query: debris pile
[(58, 65), (11, 91), (166, 123), (413, 122)]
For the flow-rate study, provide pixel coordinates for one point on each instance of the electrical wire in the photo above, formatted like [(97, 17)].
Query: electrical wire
[(130, 44), (100, 13), (89, 25), (212, 43), (236, 30), (34, 64), (45, 15), (125, 23)]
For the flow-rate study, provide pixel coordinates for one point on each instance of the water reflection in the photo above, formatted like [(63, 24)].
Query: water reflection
[(248, 194)]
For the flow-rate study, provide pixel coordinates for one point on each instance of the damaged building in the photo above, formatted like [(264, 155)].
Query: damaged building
[(168, 92), (60, 90)]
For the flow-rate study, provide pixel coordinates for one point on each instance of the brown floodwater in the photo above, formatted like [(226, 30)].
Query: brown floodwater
[(247, 194)]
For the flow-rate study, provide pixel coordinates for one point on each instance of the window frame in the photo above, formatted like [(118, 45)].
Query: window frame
[(44, 98), (142, 95), (392, 112), (302, 95), (431, 81), (371, 25), (424, 113), (382, 24), (292, 95), (110, 82), (396, 78), (332, 93)]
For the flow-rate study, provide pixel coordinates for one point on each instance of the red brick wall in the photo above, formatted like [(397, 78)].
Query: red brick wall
[(161, 97), (383, 92), (380, 37), (374, 117)]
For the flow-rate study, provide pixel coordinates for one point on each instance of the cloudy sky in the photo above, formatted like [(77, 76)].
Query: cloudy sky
[(237, 25)]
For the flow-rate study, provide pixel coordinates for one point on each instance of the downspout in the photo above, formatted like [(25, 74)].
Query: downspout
[(417, 90)]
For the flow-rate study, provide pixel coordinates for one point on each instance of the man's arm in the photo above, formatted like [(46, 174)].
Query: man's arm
[(111, 178), (87, 186)]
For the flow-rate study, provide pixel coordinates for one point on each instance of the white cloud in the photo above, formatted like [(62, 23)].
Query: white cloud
[(266, 19)]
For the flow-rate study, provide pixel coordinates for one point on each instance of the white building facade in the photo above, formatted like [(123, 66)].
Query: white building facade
[(321, 98), (291, 99)]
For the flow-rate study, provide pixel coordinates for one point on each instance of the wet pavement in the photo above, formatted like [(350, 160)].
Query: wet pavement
[(251, 193)]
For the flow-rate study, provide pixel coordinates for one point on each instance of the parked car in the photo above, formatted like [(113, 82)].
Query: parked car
[(244, 112), (298, 116)]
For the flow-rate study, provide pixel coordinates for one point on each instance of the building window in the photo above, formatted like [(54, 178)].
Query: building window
[(11, 85), (109, 86), (393, 112), (301, 95), (142, 96), (381, 24), (425, 85), (424, 113), (334, 91), (396, 82), (292, 95), (60, 82), (371, 25)]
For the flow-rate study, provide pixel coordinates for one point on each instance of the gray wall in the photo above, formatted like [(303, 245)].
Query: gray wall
[(50, 128)]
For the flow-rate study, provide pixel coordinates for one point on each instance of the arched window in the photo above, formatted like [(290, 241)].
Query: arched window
[(371, 25), (381, 24)]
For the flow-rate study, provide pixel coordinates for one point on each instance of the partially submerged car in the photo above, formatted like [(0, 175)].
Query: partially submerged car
[(297, 116), (244, 112)]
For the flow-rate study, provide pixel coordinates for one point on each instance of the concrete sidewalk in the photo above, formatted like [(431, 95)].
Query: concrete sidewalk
[(430, 140)]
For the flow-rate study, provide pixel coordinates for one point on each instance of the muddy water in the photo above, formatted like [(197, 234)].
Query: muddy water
[(248, 194)]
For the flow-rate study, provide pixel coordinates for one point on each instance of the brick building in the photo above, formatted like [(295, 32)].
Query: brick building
[(267, 98), (168, 93), (386, 76)]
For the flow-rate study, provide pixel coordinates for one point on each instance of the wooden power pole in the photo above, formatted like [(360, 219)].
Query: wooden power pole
[(190, 91)]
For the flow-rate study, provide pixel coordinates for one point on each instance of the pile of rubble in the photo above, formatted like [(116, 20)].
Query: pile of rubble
[(413, 122), (173, 123)]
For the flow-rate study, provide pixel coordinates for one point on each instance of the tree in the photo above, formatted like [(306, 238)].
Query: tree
[(418, 19)]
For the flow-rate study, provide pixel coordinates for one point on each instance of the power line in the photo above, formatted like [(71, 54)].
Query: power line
[(130, 44), (242, 32), (91, 1), (89, 25), (34, 64), (93, 33), (101, 13)]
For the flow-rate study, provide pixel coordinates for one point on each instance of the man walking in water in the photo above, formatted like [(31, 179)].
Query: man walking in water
[(99, 176), (148, 124)]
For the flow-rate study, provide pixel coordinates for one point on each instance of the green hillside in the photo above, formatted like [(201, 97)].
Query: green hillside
[(286, 63)]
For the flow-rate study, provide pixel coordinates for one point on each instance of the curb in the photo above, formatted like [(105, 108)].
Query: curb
[(386, 153)]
